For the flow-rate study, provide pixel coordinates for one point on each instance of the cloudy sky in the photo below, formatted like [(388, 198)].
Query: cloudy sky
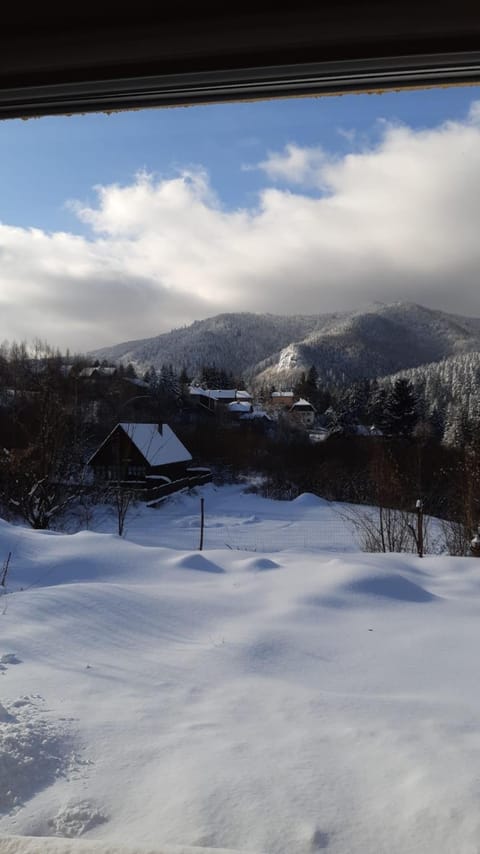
[(124, 226)]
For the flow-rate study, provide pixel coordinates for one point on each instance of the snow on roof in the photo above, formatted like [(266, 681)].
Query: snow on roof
[(282, 394), (159, 449), (257, 413), (302, 403), (221, 393), (239, 406)]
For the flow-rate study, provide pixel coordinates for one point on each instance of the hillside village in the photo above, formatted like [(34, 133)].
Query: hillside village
[(362, 440), (94, 396)]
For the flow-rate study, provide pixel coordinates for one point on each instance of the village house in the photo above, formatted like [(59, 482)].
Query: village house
[(238, 408), (243, 412), (142, 453), (98, 372), (302, 413), (281, 399), (258, 417), (216, 400)]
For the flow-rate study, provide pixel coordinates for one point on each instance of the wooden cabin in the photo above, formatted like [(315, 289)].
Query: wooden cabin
[(140, 453)]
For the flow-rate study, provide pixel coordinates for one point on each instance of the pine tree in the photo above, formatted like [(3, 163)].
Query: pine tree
[(377, 405), (401, 408), (184, 379)]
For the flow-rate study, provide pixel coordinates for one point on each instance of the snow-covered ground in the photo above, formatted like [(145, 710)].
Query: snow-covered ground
[(235, 519), (300, 699)]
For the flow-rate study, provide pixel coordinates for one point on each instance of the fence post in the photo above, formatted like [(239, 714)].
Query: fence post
[(419, 509), (202, 521), (6, 564)]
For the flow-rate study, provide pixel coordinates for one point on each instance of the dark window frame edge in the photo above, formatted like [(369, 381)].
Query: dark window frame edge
[(259, 83)]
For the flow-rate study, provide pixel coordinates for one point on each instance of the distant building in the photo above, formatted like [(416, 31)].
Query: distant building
[(281, 399), (303, 413), (99, 372), (140, 452), (238, 408), (257, 416), (216, 400)]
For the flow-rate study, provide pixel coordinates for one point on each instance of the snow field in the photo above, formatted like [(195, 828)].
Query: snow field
[(52, 845), (234, 519), (297, 701)]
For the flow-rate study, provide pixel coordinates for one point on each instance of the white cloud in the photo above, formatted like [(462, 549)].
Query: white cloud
[(474, 112), (296, 165), (397, 221), (350, 134)]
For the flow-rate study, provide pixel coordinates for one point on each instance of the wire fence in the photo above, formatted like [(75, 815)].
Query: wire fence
[(308, 523), (330, 534), (310, 530)]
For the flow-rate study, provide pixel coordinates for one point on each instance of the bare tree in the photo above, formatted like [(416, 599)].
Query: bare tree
[(464, 505), (457, 537), (39, 502), (27, 491), (381, 529), (121, 499), (86, 506), (388, 529)]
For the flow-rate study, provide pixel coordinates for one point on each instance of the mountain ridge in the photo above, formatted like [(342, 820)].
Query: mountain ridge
[(382, 339)]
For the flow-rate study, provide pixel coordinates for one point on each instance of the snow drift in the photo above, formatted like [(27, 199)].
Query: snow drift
[(294, 701)]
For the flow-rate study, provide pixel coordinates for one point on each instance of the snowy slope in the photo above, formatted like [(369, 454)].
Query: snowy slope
[(376, 341), (53, 845), (295, 701), (235, 342), (234, 519)]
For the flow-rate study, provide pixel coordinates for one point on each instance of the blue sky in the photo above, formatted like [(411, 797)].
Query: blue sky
[(44, 162), (122, 226)]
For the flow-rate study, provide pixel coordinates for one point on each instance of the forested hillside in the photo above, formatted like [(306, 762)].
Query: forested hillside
[(272, 349), (450, 387)]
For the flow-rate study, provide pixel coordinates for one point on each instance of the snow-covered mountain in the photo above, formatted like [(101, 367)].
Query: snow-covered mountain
[(380, 340), (235, 342)]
